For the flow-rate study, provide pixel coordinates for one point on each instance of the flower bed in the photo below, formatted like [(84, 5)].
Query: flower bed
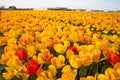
[(59, 45)]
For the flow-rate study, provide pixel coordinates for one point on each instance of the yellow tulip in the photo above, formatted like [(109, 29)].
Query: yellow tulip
[(4, 58), (42, 76), (86, 58), (58, 62), (66, 69), (118, 71), (111, 73), (40, 59), (96, 55), (114, 38), (69, 54), (75, 61), (14, 62), (68, 73), (3, 40), (59, 48), (12, 33), (8, 75), (31, 50), (37, 36), (47, 75), (25, 39), (90, 48), (52, 72), (67, 43), (88, 78), (12, 41), (44, 39), (102, 77), (19, 73), (116, 66), (11, 49), (16, 67), (74, 64)]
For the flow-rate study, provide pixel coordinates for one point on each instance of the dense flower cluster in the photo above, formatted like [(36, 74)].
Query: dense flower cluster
[(59, 45)]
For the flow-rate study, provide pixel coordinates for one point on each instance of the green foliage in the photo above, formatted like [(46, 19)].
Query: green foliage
[(52, 51), (91, 70), (2, 48), (16, 78), (45, 67), (1, 34), (34, 77), (2, 69), (59, 73)]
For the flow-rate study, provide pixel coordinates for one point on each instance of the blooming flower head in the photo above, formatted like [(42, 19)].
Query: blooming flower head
[(73, 48), (21, 54), (67, 70), (25, 39), (114, 58), (111, 74), (47, 57), (60, 48), (49, 74), (58, 62), (32, 67)]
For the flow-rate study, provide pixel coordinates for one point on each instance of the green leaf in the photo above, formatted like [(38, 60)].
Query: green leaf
[(2, 66), (37, 52), (93, 69), (82, 71), (1, 34), (80, 24), (71, 43), (45, 67), (16, 78), (101, 55), (103, 65), (59, 73), (82, 43), (2, 49), (41, 31), (34, 77), (52, 51), (119, 50)]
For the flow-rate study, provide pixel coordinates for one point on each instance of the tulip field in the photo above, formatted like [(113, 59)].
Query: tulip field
[(59, 45)]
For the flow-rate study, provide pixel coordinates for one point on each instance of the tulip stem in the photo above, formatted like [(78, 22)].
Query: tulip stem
[(102, 59), (59, 73)]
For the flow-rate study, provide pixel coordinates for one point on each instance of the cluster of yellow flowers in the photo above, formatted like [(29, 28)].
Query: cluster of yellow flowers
[(59, 45)]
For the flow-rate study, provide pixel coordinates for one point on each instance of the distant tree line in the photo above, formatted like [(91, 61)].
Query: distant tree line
[(56, 8), (14, 8), (10, 8)]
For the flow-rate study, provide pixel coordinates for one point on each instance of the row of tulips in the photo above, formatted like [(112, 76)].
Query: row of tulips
[(59, 45)]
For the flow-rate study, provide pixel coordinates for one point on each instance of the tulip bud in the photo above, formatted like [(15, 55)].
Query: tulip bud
[(32, 67), (21, 54), (114, 58), (73, 48)]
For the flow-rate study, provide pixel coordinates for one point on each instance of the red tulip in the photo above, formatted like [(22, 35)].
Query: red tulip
[(32, 67), (21, 54), (114, 58), (73, 48)]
